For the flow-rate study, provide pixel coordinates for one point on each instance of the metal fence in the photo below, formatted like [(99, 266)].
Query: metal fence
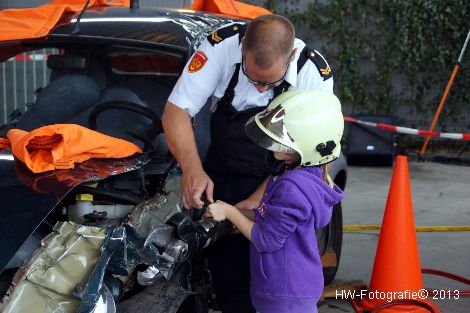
[(21, 76)]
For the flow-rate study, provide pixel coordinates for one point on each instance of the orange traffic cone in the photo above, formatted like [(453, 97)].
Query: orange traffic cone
[(397, 271)]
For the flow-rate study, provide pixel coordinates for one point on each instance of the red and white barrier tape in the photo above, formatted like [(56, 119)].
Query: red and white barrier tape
[(30, 57), (409, 131)]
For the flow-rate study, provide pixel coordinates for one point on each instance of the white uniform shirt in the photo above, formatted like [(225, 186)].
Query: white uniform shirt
[(194, 87)]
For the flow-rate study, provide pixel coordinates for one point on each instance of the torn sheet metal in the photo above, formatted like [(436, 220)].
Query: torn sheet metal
[(47, 283), (156, 211), (93, 289)]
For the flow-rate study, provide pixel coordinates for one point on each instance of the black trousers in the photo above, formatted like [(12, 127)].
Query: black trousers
[(229, 256)]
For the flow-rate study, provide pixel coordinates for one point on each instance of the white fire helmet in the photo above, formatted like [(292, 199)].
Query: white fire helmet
[(308, 122)]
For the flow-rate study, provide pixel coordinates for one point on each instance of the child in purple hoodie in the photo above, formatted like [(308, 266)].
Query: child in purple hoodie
[(303, 130)]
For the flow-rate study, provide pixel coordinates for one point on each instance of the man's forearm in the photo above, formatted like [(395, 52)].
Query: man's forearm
[(180, 136)]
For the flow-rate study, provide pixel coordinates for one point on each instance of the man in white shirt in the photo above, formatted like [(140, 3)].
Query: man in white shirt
[(241, 69)]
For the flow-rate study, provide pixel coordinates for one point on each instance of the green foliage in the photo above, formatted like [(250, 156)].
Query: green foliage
[(390, 56)]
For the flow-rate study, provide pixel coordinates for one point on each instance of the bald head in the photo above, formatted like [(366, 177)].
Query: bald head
[(268, 38)]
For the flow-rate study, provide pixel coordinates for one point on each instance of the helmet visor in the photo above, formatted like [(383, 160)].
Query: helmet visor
[(269, 124)]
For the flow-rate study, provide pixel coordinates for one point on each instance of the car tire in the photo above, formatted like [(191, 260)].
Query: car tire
[(194, 304), (330, 238)]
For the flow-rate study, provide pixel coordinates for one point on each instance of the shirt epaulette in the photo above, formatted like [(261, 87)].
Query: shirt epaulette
[(223, 33), (320, 62)]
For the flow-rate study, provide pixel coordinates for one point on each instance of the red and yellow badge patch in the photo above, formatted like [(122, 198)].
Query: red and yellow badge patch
[(198, 61)]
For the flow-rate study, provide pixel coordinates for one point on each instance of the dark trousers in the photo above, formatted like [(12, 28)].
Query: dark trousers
[(229, 256)]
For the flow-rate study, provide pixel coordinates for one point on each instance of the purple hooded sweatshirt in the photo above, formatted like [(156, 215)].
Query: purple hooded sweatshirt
[(286, 272)]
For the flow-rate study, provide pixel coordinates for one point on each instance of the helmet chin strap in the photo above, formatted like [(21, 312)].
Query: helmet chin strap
[(274, 166)]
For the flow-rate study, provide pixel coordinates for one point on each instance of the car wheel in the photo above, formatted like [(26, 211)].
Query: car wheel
[(330, 238)]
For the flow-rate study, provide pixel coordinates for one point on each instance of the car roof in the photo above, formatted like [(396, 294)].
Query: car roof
[(173, 28)]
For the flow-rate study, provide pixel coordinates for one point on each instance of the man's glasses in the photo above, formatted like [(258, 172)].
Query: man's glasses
[(264, 84)]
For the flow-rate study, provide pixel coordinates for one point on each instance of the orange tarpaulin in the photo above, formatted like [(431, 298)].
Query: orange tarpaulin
[(229, 7), (16, 24), (4, 144), (60, 146), (31, 23)]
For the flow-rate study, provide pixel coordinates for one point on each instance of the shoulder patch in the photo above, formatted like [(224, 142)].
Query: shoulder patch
[(320, 62), (223, 33), (197, 62)]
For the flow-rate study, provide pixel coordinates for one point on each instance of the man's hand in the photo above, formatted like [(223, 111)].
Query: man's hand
[(195, 182), (180, 138), (219, 210)]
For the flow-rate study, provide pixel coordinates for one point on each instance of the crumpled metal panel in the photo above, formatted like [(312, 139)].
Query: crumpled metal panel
[(67, 257), (155, 212), (60, 182)]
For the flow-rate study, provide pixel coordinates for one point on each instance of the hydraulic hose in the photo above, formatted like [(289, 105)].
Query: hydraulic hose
[(417, 303), (431, 271), (463, 280), (422, 304)]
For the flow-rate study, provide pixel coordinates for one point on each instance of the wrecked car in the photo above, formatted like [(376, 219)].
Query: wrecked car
[(111, 235)]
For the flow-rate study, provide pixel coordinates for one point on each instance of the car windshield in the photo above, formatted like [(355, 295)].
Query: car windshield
[(142, 75)]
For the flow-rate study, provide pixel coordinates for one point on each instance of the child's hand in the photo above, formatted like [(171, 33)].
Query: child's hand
[(218, 210)]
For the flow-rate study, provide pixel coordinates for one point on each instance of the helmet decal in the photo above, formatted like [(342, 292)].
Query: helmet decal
[(326, 149), (273, 121), (279, 116)]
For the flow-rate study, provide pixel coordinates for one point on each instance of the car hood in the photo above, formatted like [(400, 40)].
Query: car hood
[(27, 198)]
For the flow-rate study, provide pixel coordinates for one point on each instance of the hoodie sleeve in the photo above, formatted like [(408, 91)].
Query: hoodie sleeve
[(284, 211)]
